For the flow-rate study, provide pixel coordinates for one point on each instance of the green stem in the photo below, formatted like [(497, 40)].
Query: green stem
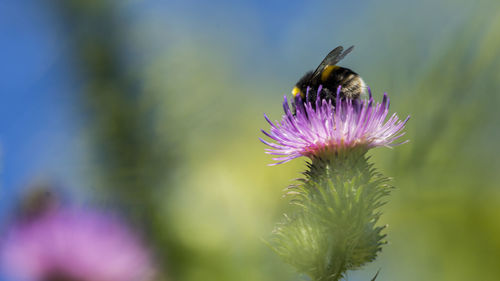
[(333, 228)]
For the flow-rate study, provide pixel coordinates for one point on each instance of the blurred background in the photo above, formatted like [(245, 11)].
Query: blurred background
[(153, 108)]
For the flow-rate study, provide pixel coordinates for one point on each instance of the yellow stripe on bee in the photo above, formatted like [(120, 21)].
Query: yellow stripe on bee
[(327, 71), (296, 91)]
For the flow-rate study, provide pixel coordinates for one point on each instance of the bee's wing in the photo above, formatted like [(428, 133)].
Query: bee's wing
[(332, 58)]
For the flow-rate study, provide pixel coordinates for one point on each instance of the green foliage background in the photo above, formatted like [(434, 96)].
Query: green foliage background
[(173, 105)]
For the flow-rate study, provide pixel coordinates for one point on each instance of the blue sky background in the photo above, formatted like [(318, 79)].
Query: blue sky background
[(37, 124)]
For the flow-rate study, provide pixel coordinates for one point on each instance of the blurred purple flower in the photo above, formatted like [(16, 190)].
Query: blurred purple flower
[(74, 245), (324, 128)]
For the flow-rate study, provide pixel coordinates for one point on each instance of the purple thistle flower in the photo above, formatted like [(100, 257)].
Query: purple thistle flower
[(323, 128), (74, 245)]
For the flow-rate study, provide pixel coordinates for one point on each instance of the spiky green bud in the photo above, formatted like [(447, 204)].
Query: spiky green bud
[(333, 227)]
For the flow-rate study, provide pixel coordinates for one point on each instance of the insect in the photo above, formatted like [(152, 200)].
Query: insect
[(330, 76)]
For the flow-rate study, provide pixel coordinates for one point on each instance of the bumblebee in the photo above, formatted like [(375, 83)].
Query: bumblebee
[(330, 76)]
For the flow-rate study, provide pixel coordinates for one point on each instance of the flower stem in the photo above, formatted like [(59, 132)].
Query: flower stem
[(333, 228)]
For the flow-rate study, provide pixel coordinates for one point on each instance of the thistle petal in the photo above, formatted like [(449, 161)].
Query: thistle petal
[(324, 128)]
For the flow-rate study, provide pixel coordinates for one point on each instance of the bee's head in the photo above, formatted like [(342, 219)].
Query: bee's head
[(301, 86)]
